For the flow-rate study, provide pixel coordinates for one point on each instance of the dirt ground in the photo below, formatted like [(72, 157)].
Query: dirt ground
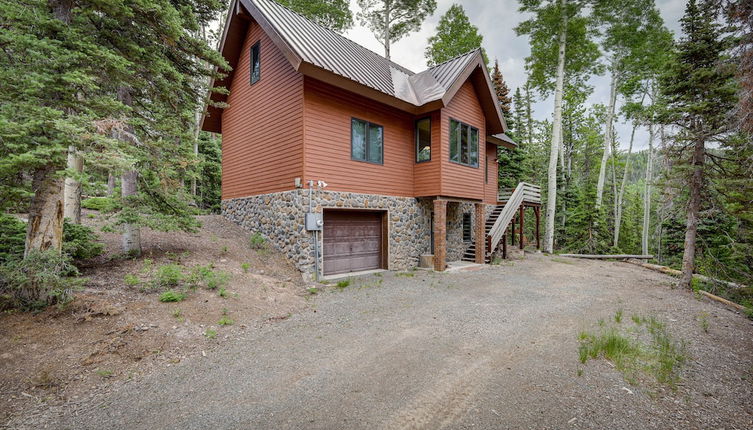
[(493, 348), (113, 332)]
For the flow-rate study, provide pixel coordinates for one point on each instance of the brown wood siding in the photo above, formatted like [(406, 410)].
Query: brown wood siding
[(426, 175), (327, 118), (262, 141), (458, 180), (490, 186)]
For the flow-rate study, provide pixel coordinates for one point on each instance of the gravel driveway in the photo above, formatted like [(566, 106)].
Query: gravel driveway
[(493, 348)]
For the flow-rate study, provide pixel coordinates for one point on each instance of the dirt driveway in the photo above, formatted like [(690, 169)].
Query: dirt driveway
[(494, 348)]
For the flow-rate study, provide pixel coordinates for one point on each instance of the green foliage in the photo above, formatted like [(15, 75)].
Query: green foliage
[(12, 237), (332, 14), (80, 242), (648, 350), (257, 241), (210, 333), (225, 320), (209, 181), (168, 276), (42, 278), (245, 267), (343, 284), (131, 280), (205, 276), (172, 296), (101, 204), (455, 36), (390, 24)]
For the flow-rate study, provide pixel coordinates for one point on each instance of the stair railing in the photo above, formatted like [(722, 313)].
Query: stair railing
[(523, 192)]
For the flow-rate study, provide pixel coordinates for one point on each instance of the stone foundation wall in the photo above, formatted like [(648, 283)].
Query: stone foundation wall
[(279, 217)]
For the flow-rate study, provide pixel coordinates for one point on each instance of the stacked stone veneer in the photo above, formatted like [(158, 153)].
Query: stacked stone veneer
[(280, 218)]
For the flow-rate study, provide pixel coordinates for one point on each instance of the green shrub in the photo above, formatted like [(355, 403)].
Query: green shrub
[(257, 241), (131, 280), (12, 237), (80, 242), (102, 204), (42, 278), (204, 276), (210, 333), (225, 321), (168, 276), (343, 284), (172, 296)]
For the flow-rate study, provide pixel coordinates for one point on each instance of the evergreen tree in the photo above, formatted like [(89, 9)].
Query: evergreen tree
[(333, 14), (391, 20), (455, 36), (698, 92), (501, 89)]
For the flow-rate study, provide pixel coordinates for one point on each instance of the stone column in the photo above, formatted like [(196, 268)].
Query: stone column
[(479, 233), (440, 235)]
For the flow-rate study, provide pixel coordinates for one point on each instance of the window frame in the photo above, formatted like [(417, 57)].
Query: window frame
[(367, 141), (415, 128), (256, 46), (469, 141)]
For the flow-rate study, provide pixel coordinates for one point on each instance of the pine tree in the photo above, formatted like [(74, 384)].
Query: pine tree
[(455, 36), (698, 92), (391, 20), (333, 14), (501, 89)]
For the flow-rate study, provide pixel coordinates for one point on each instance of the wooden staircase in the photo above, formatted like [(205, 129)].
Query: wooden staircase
[(502, 215)]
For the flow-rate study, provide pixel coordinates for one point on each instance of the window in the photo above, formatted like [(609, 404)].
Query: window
[(255, 63), (423, 140), (366, 141), (466, 227), (463, 144)]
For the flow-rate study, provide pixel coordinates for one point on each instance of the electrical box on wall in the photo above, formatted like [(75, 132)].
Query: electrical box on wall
[(314, 221)]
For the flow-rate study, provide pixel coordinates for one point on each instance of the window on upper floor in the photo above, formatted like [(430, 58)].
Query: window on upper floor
[(423, 140), (255, 63), (463, 144), (366, 141)]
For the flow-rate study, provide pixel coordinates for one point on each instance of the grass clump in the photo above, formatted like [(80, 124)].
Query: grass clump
[(313, 290), (645, 349), (618, 316), (168, 276), (257, 241), (343, 284), (172, 296), (405, 274), (210, 333), (205, 276), (225, 320), (131, 280), (222, 293), (245, 267)]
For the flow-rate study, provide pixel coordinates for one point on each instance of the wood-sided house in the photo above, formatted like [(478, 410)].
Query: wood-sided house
[(396, 164)]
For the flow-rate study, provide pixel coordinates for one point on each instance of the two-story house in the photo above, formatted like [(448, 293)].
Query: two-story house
[(409, 159)]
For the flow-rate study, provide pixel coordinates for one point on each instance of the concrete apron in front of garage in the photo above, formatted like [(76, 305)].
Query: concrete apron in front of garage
[(452, 266)]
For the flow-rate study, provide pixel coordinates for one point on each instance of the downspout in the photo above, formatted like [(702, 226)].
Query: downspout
[(316, 235)]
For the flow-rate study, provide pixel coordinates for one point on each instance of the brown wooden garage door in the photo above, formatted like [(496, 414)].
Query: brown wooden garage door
[(352, 241)]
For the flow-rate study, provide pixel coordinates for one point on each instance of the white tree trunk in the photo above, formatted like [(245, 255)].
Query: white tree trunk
[(647, 190), (386, 33), (551, 203), (621, 194), (608, 134), (72, 193), (131, 232)]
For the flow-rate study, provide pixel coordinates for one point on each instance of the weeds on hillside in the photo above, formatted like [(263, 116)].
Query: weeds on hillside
[(644, 348)]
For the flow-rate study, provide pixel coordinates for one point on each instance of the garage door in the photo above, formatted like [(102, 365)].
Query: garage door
[(352, 241)]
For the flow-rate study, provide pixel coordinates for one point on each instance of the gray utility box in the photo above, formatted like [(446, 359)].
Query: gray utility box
[(314, 221)]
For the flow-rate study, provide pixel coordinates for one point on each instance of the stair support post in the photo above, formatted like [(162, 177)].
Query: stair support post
[(522, 217), (480, 233), (537, 212), (504, 246)]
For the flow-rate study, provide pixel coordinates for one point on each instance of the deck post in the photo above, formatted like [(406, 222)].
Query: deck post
[(512, 230), (480, 232), (504, 246), (537, 212), (522, 216), (440, 235)]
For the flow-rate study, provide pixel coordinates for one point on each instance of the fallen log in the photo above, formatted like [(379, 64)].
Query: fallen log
[(609, 257), (723, 300), (673, 272)]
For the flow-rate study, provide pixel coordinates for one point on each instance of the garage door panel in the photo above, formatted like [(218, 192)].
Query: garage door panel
[(352, 241)]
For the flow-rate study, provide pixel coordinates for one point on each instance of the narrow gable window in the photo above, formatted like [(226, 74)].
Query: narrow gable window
[(423, 140), (255, 63), (463, 144), (366, 141)]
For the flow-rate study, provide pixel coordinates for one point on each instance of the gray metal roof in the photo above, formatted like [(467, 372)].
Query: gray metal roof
[(330, 51)]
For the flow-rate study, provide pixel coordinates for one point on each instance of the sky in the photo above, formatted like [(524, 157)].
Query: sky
[(496, 20)]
